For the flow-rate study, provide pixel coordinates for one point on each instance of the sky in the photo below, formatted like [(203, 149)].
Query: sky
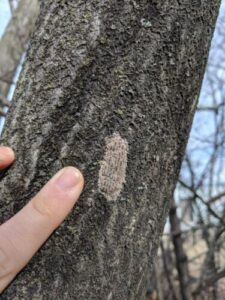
[(4, 15), (203, 129)]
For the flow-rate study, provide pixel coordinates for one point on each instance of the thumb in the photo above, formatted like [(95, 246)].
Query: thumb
[(22, 235)]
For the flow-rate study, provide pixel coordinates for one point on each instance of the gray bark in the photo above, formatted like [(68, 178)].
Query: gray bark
[(14, 41), (103, 78)]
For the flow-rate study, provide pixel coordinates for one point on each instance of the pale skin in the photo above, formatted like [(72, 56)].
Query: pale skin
[(23, 234)]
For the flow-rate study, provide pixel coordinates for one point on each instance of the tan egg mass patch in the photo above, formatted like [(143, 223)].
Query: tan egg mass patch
[(112, 173)]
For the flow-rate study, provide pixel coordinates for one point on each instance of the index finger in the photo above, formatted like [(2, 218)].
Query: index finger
[(23, 234)]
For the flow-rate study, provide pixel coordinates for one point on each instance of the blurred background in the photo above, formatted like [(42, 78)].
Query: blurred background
[(191, 255)]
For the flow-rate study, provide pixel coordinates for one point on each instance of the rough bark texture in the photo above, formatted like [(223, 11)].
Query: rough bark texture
[(14, 41), (98, 71)]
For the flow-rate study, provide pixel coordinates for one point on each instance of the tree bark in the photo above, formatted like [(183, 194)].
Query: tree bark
[(109, 87), (14, 41)]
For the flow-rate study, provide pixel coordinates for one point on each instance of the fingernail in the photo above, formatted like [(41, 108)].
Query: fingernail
[(69, 178), (6, 152)]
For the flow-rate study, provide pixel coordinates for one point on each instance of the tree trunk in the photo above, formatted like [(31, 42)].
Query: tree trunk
[(180, 255), (109, 87), (14, 41)]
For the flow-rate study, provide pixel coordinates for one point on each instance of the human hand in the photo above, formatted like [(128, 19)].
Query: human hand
[(23, 234)]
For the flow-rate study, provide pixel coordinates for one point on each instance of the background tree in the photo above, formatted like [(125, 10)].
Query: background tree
[(111, 88), (13, 43)]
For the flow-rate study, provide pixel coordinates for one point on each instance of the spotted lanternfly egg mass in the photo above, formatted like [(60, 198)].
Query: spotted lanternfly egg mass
[(112, 171)]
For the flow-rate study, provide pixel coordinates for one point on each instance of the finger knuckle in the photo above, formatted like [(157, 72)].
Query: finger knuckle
[(41, 208)]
